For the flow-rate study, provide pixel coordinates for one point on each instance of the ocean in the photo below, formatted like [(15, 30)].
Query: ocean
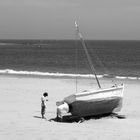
[(120, 59)]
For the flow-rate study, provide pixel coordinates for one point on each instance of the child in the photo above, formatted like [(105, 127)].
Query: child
[(44, 100)]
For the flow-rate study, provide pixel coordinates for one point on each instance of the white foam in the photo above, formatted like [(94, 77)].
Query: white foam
[(133, 78), (121, 77), (57, 74), (10, 71)]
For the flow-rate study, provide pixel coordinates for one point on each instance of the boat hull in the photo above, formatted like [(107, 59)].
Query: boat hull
[(93, 108)]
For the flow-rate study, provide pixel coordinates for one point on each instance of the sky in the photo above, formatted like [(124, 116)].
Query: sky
[(54, 19)]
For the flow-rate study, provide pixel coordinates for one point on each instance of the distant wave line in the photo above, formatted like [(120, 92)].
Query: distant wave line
[(10, 71), (57, 74)]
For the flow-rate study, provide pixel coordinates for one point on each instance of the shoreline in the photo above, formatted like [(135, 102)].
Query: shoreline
[(10, 72)]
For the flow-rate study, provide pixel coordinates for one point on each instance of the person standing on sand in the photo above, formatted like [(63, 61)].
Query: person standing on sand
[(44, 100)]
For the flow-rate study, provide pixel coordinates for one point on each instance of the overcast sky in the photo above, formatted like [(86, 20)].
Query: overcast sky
[(54, 19)]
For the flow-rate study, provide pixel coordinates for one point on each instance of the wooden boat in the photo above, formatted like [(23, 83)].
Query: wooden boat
[(96, 102), (93, 102)]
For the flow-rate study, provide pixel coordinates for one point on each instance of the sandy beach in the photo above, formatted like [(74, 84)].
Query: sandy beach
[(20, 117)]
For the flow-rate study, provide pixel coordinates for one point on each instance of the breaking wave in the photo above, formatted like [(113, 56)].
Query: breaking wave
[(57, 74)]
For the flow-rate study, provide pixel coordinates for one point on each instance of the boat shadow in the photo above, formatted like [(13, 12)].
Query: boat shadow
[(72, 119)]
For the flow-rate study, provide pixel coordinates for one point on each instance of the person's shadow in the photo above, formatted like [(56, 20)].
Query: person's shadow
[(38, 117)]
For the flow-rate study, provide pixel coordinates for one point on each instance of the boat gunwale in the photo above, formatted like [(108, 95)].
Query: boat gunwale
[(99, 91), (100, 99)]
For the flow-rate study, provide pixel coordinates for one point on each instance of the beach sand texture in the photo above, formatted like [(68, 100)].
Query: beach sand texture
[(20, 117)]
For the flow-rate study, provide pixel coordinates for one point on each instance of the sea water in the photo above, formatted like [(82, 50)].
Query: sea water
[(120, 59)]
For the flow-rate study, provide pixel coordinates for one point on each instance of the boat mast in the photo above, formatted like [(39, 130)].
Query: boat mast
[(87, 54)]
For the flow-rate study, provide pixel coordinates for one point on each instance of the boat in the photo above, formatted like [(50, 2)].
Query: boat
[(92, 102), (96, 102)]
